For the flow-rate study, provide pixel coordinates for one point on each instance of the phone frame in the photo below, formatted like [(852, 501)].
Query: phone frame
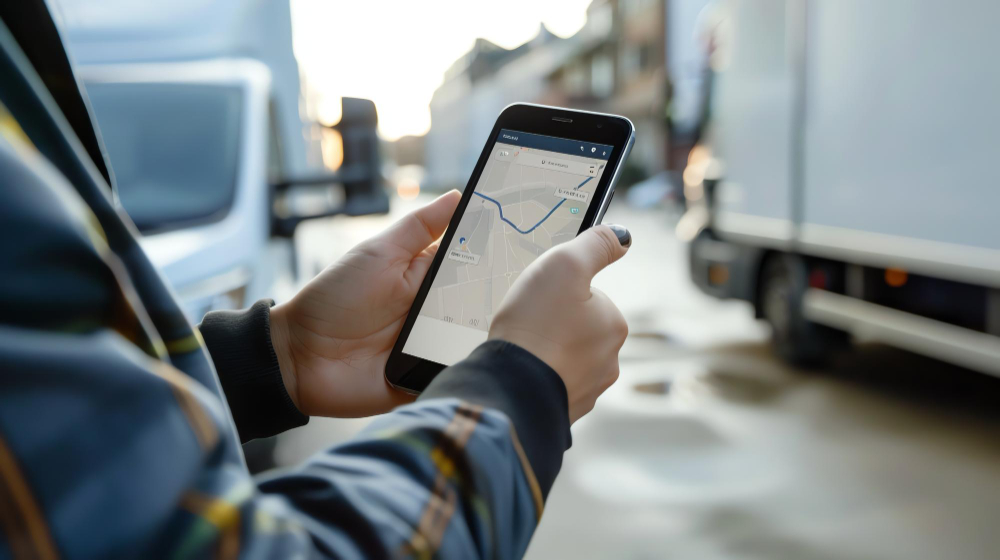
[(412, 374)]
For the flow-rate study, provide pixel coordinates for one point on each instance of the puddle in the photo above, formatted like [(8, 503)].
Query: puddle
[(742, 388), (653, 388), (682, 475), (658, 336)]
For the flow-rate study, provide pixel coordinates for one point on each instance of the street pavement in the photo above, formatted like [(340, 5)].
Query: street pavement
[(708, 447)]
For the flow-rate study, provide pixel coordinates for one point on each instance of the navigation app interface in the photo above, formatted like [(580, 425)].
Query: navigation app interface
[(532, 195)]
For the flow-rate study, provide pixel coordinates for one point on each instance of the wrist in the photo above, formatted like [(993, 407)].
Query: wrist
[(540, 347), (281, 342)]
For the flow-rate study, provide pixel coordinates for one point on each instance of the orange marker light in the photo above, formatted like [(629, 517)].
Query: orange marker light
[(718, 274), (896, 277), (408, 189)]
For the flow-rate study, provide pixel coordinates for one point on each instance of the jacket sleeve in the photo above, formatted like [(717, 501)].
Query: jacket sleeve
[(113, 453), (239, 343)]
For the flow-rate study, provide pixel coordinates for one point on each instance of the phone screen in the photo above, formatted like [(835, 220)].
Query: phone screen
[(532, 195)]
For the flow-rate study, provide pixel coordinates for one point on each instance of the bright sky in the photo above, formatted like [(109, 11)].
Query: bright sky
[(395, 52)]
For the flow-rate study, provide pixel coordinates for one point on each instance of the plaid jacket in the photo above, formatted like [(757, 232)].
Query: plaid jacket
[(116, 438)]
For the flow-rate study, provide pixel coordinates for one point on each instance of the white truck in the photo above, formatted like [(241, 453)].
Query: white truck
[(847, 179), (200, 110)]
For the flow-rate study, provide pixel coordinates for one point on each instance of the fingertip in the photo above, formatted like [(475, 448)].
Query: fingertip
[(623, 235), (597, 247), (612, 242), (421, 227), (448, 201), (453, 194)]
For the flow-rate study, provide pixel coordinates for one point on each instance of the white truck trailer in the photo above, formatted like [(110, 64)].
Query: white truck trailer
[(848, 178)]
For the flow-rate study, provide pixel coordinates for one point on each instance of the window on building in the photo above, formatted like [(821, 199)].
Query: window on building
[(576, 79), (630, 61), (602, 76), (632, 8), (645, 57), (636, 59)]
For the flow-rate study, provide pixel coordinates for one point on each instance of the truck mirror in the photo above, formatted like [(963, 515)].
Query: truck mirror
[(356, 189)]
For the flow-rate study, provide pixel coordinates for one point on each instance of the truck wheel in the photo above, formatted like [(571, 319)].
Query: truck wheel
[(783, 285)]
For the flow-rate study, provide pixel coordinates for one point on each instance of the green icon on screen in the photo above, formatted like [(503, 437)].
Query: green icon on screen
[(574, 210)]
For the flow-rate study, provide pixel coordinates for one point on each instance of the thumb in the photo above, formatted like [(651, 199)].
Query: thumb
[(597, 247), (418, 229)]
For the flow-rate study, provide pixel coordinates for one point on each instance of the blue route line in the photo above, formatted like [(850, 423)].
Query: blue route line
[(519, 230)]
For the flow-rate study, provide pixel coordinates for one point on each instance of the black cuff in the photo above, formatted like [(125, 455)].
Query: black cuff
[(512, 380), (240, 345)]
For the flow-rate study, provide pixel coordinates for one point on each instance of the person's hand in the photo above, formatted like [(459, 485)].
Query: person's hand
[(552, 312), (334, 337)]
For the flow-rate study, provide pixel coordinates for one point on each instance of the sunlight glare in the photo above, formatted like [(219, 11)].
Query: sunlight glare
[(395, 52)]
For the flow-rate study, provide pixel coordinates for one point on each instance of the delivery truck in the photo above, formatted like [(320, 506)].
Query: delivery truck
[(847, 182), (214, 155)]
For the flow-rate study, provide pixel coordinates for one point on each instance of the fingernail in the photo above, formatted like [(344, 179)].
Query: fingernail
[(623, 235)]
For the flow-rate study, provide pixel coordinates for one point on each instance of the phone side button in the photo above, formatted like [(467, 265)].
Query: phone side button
[(604, 210)]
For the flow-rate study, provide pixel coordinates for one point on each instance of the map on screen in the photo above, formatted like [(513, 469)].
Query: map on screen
[(527, 201)]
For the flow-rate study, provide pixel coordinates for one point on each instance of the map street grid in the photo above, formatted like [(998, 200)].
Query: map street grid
[(526, 202)]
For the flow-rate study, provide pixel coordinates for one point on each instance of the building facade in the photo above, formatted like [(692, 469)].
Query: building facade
[(475, 89), (620, 62)]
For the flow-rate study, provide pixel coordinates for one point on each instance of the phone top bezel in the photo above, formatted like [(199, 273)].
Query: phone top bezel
[(411, 373)]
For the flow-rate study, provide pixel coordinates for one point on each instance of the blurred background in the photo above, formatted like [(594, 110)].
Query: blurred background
[(814, 289)]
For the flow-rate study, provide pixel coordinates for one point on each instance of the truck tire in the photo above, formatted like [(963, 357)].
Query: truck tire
[(783, 284)]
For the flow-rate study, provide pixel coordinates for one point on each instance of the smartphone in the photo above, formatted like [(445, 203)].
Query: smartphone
[(545, 175)]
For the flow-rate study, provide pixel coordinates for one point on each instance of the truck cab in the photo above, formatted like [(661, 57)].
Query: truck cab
[(188, 143), (200, 110)]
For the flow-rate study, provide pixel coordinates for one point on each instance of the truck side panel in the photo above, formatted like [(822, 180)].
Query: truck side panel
[(902, 128), (752, 109)]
